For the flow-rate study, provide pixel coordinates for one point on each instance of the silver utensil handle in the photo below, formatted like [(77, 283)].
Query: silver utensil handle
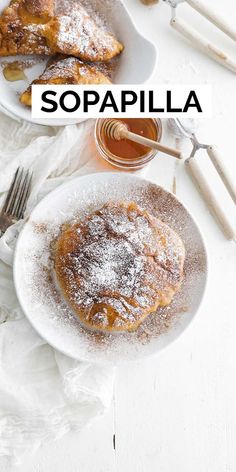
[(210, 199), (203, 44), (217, 161), (210, 15)]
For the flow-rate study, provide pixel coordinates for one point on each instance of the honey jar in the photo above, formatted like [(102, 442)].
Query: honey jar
[(127, 154)]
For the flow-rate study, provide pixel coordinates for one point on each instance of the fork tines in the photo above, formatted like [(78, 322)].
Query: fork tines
[(18, 194)]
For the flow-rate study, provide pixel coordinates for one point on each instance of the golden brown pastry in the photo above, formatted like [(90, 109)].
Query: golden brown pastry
[(20, 26), (72, 31), (66, 70), (117, 266), (54, 26)]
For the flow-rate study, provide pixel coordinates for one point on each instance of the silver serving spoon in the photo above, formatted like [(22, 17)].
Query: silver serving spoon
[(187, 128)]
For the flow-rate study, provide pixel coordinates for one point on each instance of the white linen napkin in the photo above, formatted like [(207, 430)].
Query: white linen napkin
[(43, 394)]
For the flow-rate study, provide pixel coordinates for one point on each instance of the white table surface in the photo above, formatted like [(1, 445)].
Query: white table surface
[(175, 412)]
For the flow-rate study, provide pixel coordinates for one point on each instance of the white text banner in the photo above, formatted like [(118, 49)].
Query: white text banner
[(121, 101)]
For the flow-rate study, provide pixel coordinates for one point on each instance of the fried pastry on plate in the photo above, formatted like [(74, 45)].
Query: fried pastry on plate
[(72, 31), (20, 27), (54, 26), (66, 70), (117, 266)]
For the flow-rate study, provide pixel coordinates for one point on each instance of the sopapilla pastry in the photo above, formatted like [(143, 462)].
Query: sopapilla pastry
[(66, 70), (47, 27), (117, 266)]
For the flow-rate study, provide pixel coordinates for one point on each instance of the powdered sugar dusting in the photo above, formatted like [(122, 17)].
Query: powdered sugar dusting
[(83, 32), (120, 262), (59, 26), (73, 70), (43, 302)]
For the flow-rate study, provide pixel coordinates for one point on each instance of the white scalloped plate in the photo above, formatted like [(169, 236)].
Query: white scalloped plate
[(44, 306), (138, 51)]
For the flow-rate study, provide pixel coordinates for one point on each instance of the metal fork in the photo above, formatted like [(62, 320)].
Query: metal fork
[(15, 204)]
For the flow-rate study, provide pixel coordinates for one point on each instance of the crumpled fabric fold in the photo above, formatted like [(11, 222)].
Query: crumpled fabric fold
[(43, 394)]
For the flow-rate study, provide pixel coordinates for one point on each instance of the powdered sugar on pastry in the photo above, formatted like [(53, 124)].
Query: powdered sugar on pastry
[(66, 70), (73, 31), (52, 26), (118, 266)]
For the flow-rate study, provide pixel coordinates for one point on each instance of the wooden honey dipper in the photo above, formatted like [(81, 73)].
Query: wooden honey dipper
[(118, 130)]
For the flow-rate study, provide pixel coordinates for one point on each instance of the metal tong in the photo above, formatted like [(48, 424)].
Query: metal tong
[(201, 181), (196, 38)]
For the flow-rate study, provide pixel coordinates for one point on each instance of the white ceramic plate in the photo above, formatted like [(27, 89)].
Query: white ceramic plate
[(138, 51), (43, 304)]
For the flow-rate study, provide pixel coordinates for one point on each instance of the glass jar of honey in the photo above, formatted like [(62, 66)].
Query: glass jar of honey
[(127, 154)]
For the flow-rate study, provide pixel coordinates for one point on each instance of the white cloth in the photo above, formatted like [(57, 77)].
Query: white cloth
[(43, 394)]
